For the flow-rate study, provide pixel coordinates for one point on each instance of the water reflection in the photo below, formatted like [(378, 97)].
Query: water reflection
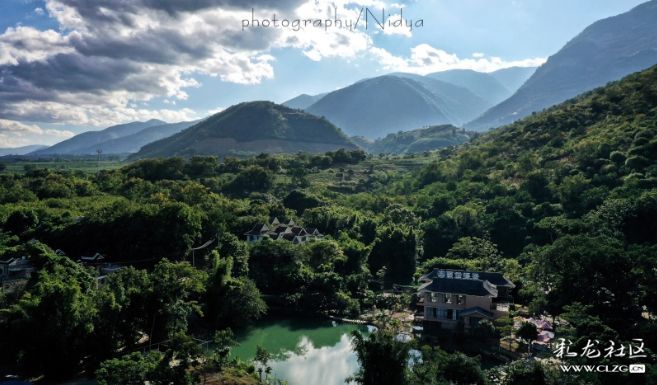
[(306, 351), (328, 365)]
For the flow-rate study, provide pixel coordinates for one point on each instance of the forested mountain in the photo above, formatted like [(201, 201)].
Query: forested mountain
[(252, 128), (572, 192), (86, 143), (605, 51), (382, 105), (417, 141)]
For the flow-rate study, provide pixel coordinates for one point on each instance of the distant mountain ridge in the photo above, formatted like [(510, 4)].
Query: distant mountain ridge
[(252, 128), (375, 107), (122, 139), (481, 84), (303, 101), (133, 143), (21, 150), (87, 142), (605, 51), (513, 78)]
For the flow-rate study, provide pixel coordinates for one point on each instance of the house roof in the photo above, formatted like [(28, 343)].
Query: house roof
[(280, 229), (256, 230), (95, 257), (476, 310), (297, 230), (496, 279), (7, 261), (460, 286)]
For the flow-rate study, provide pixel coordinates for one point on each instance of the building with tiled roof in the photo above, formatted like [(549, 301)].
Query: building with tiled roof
[(279, 231), (449, 298)]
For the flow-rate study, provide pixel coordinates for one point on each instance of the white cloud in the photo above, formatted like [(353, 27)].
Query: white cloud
[(102, 60), (425, 59), (100, 115), (215, 111), (398, 26), (16, 134), (27, 44), (319, 42)]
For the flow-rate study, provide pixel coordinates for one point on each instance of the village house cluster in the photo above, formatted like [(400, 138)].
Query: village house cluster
[(280, 231), (15, 271)]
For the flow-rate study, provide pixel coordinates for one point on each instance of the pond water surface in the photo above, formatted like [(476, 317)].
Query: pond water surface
[(306, 351)]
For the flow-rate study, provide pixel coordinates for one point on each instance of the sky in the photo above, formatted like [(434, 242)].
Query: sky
[(68, 66)]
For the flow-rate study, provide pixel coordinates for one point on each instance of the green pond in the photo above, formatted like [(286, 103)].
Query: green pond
[(305, 351)]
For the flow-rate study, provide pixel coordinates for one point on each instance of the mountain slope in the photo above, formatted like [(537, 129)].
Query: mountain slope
[(378, 106), (481, 84), (132, 143), (605, 51), (86, 143), (514, 77), (251, 128), (606, 134), (21, 150), (303, 101), (420, 140)]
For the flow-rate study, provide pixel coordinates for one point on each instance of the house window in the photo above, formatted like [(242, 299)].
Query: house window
[(449, 314), (448, 298), (440, 313), (460, 299), (434, 297)]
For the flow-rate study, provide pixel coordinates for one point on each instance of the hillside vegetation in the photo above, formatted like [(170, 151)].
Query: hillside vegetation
[(417, 141)]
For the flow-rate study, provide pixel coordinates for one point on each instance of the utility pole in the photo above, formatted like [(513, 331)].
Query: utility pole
[(98, 152)]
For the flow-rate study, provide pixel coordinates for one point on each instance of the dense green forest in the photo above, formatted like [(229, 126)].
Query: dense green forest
[(563, 202), (416, 141)]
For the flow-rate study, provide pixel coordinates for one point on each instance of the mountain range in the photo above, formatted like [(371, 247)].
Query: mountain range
[(120, 139), (21, 150), (382, 106), (605, 51), (396, 102), (252, 128)]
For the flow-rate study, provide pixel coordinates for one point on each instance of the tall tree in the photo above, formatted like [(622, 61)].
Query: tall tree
[(383, 359)]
